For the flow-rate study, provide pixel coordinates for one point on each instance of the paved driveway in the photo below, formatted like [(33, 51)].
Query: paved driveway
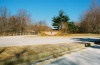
[(37, 40), (32, 40), (91, 56)]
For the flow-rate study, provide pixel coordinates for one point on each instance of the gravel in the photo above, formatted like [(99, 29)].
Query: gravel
[(37, 40)]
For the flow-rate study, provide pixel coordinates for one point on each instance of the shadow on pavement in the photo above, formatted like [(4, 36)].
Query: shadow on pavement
[(95, 40), (96, 46), (90, 56), (87, 39), (63, 61)]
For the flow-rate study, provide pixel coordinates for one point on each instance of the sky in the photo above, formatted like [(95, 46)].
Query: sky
[(47, 9)]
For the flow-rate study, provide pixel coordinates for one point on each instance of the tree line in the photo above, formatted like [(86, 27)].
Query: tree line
[(89, 21), (20, 23)]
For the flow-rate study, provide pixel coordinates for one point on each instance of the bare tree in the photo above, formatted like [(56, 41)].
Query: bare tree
[(90, 21), (23, 19), (13, 24), (41, 26), (1, 26), (19, 23), (4, 14)]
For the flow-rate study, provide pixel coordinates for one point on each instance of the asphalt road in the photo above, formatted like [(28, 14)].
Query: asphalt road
[(90, 56)]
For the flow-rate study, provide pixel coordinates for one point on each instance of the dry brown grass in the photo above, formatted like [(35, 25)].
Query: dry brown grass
[(81, 34), (21, 54)]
